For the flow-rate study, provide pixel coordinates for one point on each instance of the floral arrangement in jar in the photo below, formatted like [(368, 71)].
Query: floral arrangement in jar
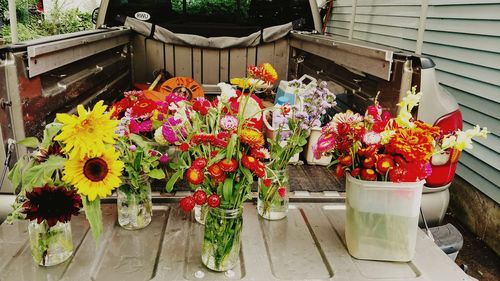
[(294, 126), (75, 165), (143, 149), (221, 152)]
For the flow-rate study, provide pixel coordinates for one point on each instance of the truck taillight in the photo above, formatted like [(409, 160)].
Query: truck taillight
[(445, 164)]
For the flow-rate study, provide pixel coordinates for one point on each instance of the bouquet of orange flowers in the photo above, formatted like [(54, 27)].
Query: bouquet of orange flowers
[(377, 146)]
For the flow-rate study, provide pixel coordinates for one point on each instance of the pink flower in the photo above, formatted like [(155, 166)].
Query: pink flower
[(229, 123)]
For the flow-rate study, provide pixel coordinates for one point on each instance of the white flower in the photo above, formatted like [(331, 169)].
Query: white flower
[(227, 92), (371, 138), (159, 138)]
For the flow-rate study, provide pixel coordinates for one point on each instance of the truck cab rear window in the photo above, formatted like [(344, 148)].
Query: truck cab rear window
[(211, 18)]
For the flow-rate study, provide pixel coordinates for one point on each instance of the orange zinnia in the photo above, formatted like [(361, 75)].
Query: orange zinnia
[(415, 144), (252, 137)]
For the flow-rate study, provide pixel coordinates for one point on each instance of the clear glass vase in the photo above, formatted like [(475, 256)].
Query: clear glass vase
[(135, 207), (272, 202), (221, 242), (50, 245), (200, 213)]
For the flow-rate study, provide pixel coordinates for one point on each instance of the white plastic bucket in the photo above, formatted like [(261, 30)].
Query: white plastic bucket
[(309, 152), (382, 219)]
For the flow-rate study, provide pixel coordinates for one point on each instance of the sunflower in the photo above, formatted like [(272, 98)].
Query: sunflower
[(252, 137), (88, 132), (51, 204), (94, 175)]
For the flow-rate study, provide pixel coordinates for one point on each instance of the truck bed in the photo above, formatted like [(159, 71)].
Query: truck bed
[(307, 245)]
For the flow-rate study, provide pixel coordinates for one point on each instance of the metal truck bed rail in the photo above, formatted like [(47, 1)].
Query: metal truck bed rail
[(307, 245)]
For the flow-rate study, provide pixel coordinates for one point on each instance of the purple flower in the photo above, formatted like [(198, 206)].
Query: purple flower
[(164, 158), (132, 148)]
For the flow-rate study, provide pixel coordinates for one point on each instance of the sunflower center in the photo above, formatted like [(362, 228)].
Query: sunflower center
[(95, 169)]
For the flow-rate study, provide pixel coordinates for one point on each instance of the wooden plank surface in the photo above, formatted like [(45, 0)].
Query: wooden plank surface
[(169, 58), (197, 65), (210, 66), (224, 65), (183, 61), (238, 62), (139, 58), (308, 244), (155, 59)]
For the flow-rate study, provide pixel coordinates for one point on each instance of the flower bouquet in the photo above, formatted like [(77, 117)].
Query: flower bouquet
[(291, 135), (387, 160), (74, 165), (221, 151), (141, 120)]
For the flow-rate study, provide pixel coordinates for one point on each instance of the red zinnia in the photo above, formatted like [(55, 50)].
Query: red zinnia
[(228, 165), (369, 162), (187, 203), (184, 147), (384, 163), (339, 170), (194, 175), (143, 107), (249, 162), (200, 163), (346, 160), (355, 172), (214, 200), (368, 175), (200, 197), (215, 171)]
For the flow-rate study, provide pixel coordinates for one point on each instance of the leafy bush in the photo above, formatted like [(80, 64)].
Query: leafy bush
[(32, 26)]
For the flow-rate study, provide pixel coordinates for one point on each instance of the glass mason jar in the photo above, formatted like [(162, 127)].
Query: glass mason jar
[(221, 242), (50, 245), (272, 202), (135, 207), (200, 213)]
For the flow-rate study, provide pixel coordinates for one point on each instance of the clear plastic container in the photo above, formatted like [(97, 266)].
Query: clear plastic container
[(382, 219)]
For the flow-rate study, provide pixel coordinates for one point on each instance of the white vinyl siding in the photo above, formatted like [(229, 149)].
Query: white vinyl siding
[(463, 39)]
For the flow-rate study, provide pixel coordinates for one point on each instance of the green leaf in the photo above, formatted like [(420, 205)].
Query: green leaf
[(230, 146), (217, 158), (30, 142), (173, 180), (227, 189), (157, 174), (39, 174), (94, 216), (138, 140), (51, 130), (16, 173)]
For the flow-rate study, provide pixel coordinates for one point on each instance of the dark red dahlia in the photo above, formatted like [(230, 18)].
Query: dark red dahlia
[(52, 204), (54, 149)]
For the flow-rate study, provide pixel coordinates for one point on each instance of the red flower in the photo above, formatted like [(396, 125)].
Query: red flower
[(215, 171), (369, 162), (267, 182), (249, 162), (384, 163), (220, 179), (367, 151), (355, 172), (214, 200), (259, 153), (214, 153), (228, 166), (199, 163), (346, 160), (201, 105), (187, 203), (194, 175), (200, 197), (143, 107), (223, 135), (219, 143), (398, 174), (368, 175), (339, 170), (282, 192), (184, 147), (260, 171)]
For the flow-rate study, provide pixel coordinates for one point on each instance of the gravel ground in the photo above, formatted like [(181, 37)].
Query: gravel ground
[(482, 262)]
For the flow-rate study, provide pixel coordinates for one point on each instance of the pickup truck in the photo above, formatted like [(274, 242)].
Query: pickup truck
[(135, 40)]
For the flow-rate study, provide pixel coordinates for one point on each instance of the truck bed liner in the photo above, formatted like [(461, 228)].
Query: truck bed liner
[(307, 245)]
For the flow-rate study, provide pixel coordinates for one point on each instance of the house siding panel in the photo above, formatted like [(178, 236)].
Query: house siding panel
[(463, 38)]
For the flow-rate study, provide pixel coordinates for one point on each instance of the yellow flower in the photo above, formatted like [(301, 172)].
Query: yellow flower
[(252, 137), (88, 132), (95, 175), (406, 106)]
